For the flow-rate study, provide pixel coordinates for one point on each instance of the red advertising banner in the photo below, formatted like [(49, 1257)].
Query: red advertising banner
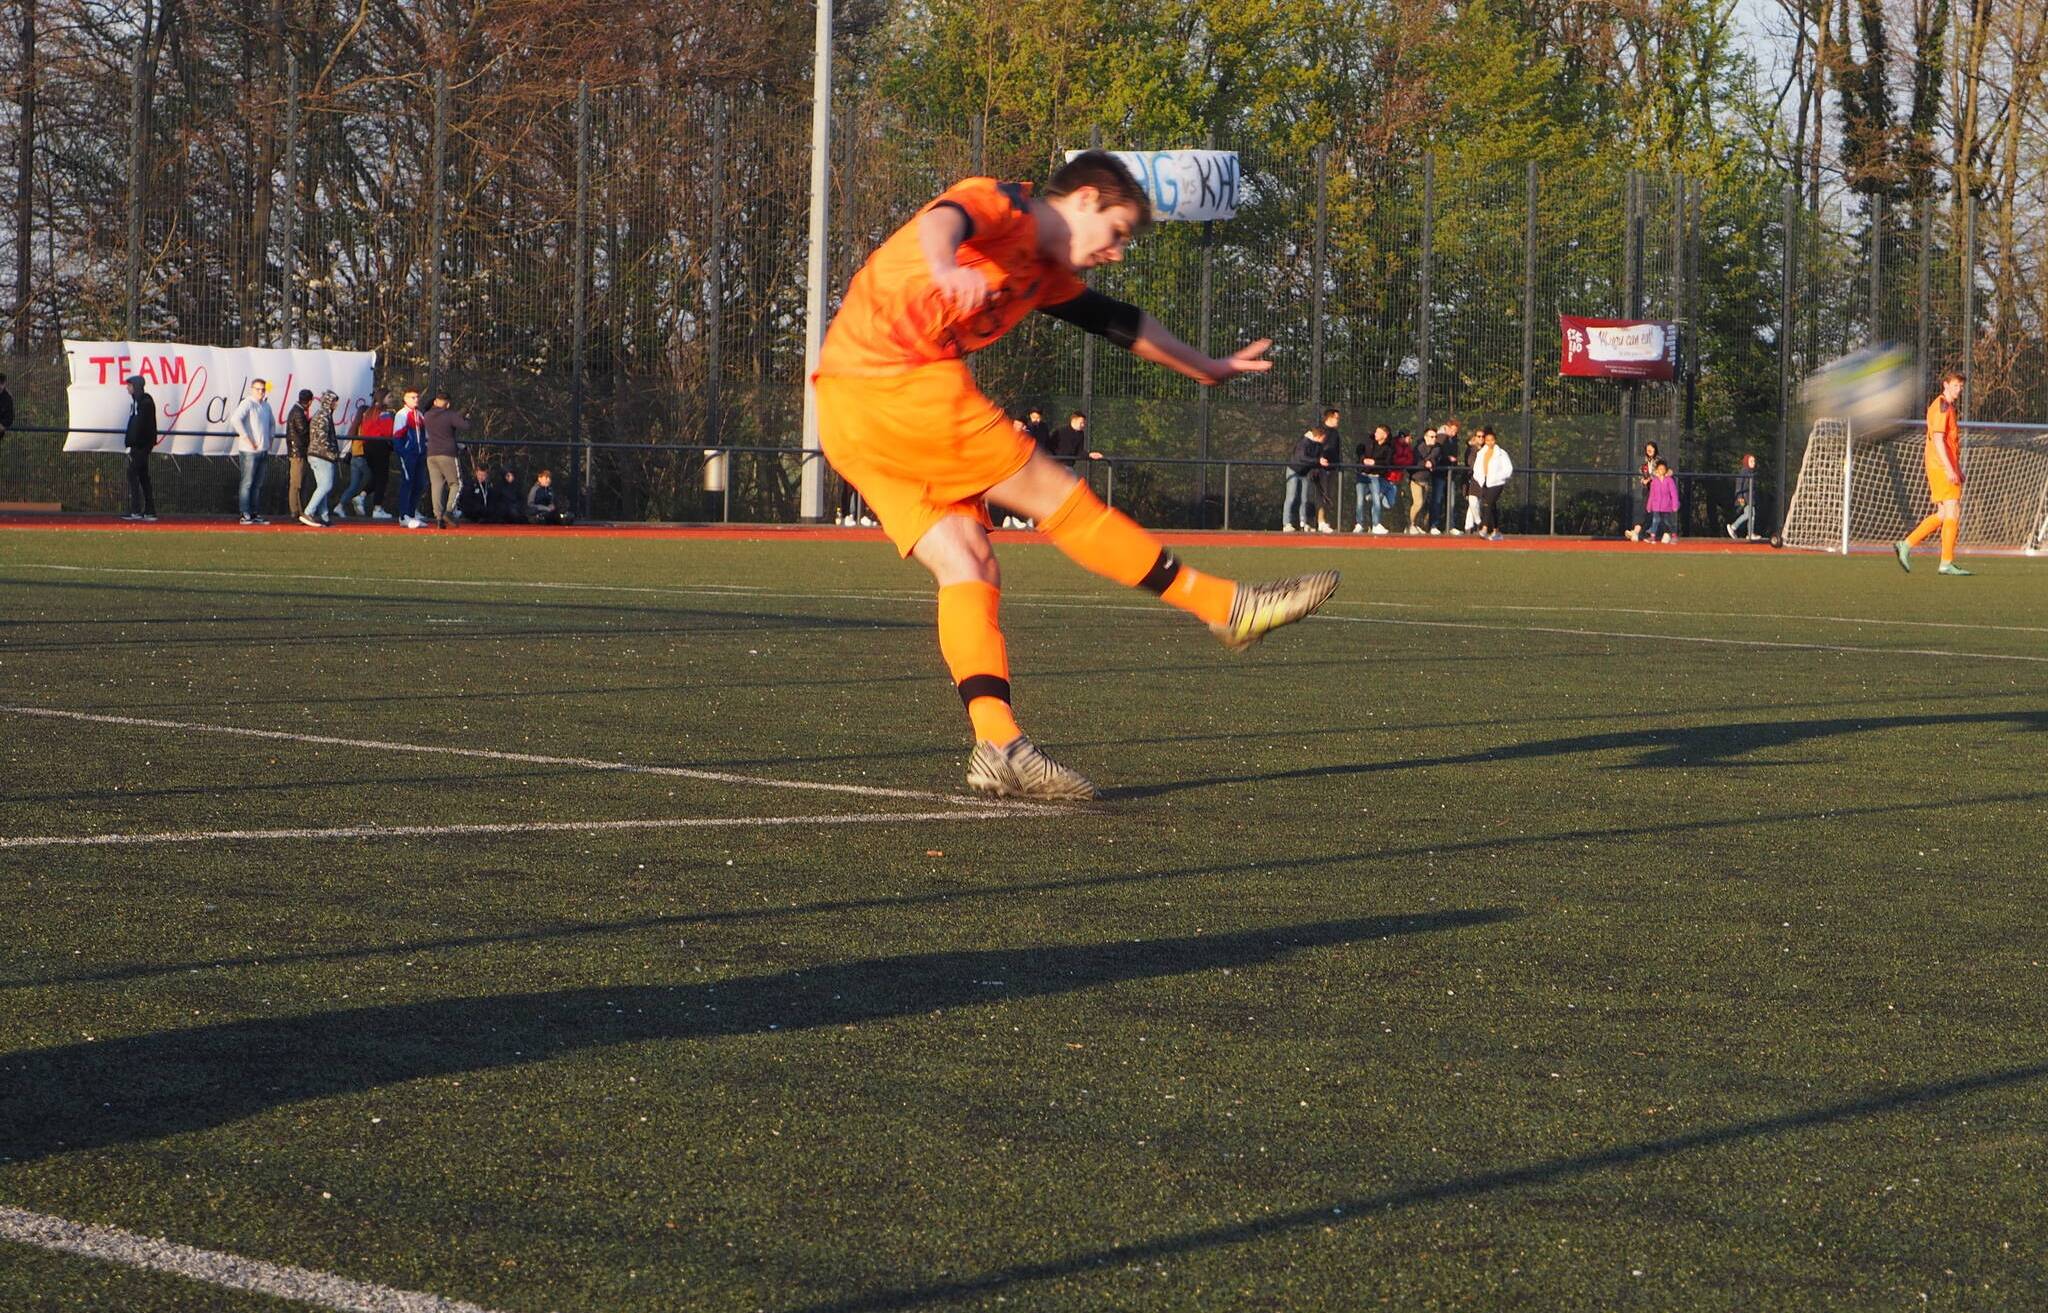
[(1619, 348)]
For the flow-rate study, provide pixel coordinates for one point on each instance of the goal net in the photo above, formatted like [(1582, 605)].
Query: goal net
[(1872, 488)]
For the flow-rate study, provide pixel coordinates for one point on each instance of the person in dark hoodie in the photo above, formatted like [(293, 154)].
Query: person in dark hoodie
[(1325, 474), (1431, 465), (1373, 492), (141, 439), (1301, 469)]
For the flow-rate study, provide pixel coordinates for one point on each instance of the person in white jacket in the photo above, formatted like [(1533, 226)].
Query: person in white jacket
[(255, 428), (1492, 467)]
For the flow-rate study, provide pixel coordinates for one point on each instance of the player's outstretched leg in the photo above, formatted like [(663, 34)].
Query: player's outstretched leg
[(1109, 543)]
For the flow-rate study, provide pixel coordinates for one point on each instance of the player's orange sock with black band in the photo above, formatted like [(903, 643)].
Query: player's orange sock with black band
[(1109, 543), (972, 643), (1949, 531), (1923, 530)]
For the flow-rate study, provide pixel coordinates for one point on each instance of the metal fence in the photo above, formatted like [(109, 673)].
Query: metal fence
[(625, 269)]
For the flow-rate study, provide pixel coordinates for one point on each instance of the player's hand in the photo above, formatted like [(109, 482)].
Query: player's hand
[(963, 289), (1245, 360)]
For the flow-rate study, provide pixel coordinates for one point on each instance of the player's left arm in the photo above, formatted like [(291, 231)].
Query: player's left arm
[(1146, 338)]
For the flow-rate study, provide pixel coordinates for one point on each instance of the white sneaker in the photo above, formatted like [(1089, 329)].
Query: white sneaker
[(1358, 528), (310, 522), (1415, 531), (867, 521), (1670, 538), (1287, 528), (1633, 535), (1457, 533), (1379, 528), (1437, 533), (381, 514), (838, 519), (1731, 531), (1495, 536), (1324, 527), (413, 522)]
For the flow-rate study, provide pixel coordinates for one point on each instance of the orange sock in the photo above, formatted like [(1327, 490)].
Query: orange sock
[(1923, 530), (1949, 531), (972, 643), (1113, 545)]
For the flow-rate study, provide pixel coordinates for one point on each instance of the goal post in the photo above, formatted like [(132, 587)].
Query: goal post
[(1870, 487)]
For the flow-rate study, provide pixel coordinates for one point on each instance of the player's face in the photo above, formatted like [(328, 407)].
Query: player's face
[(1951, 389), (1098, 233)]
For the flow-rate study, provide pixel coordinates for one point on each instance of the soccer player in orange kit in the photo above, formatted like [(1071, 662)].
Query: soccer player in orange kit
[(901, 419), (1944, 479)]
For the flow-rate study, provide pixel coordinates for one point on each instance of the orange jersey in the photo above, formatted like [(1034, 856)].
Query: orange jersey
[(895, 319), (1944, 438)]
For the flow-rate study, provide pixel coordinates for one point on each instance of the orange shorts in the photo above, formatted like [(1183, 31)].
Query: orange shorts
[(919, 446), (1939, 488)]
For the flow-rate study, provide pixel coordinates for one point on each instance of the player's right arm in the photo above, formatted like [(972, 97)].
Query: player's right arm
[(940, 230)]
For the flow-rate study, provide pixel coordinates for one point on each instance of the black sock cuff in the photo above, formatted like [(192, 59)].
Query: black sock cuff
[(984, 686), (1162, 574)]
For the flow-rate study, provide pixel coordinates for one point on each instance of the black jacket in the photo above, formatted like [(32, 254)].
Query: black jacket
[(1381, 454), (1306, 453), (7, 409), (1432, 454), (298, 427), (1068, 444), (141, 424), (1040, 432)]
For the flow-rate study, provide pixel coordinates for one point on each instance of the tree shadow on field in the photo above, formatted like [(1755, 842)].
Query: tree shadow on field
[(143, 1087), (1666, 746), (1332, 1213)]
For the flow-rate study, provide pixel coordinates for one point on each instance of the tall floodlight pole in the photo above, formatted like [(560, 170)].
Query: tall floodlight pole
[(812, 494)]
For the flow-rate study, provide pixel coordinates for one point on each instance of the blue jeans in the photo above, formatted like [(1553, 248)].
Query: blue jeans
[(323, 487), (358, 479), (252, 481), (1298, 491), (1663, 522), (412, 481), (1745, 520), (1374, 492)]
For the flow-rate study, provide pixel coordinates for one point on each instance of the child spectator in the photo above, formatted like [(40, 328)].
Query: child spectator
[(543, 506), (1662, 504)]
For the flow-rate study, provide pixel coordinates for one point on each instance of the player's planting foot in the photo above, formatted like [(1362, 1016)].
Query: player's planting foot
[(1020, 770), (1950, 567), (1259, 609), (1905, 555)]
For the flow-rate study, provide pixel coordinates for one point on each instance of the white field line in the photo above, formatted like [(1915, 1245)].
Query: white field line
[(988, 813), (529, 759), (1887, 622), (1042, 603), (214, 1268)]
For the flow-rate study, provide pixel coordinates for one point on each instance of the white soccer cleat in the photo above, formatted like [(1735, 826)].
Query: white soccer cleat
[(1259, 609), (1021, 770)]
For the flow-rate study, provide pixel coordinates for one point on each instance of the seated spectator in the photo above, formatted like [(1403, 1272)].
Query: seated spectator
[(502, 503), (543, 506), (472, 502)]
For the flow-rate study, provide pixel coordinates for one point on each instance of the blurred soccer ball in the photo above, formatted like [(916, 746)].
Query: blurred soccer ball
[(1872, 388)]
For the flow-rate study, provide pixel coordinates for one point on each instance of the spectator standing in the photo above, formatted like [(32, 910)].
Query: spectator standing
[(1444, 482), (7, 407), (1325, 474), (1301, 469), (297, 420), (1403, 472), (373, 436), (409, 445), (1745, 500), (1038, 428), (1375, 461), (322, 451), (444, 462), (543, 506), (1492, 467), (141, 439), (255, 429), (1646, 471), (1662, 504), (1070, 444), (1429, 467)]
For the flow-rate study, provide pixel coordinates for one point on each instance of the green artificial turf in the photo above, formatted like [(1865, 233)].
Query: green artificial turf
[(1481, 944)]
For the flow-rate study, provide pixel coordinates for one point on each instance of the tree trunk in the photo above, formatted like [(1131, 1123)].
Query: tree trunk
[(24, 182)]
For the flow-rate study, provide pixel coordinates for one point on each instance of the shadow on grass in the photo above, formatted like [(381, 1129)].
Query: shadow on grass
[(1668, 746), (940, 897), (1336, 1212), (143, 1087)]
